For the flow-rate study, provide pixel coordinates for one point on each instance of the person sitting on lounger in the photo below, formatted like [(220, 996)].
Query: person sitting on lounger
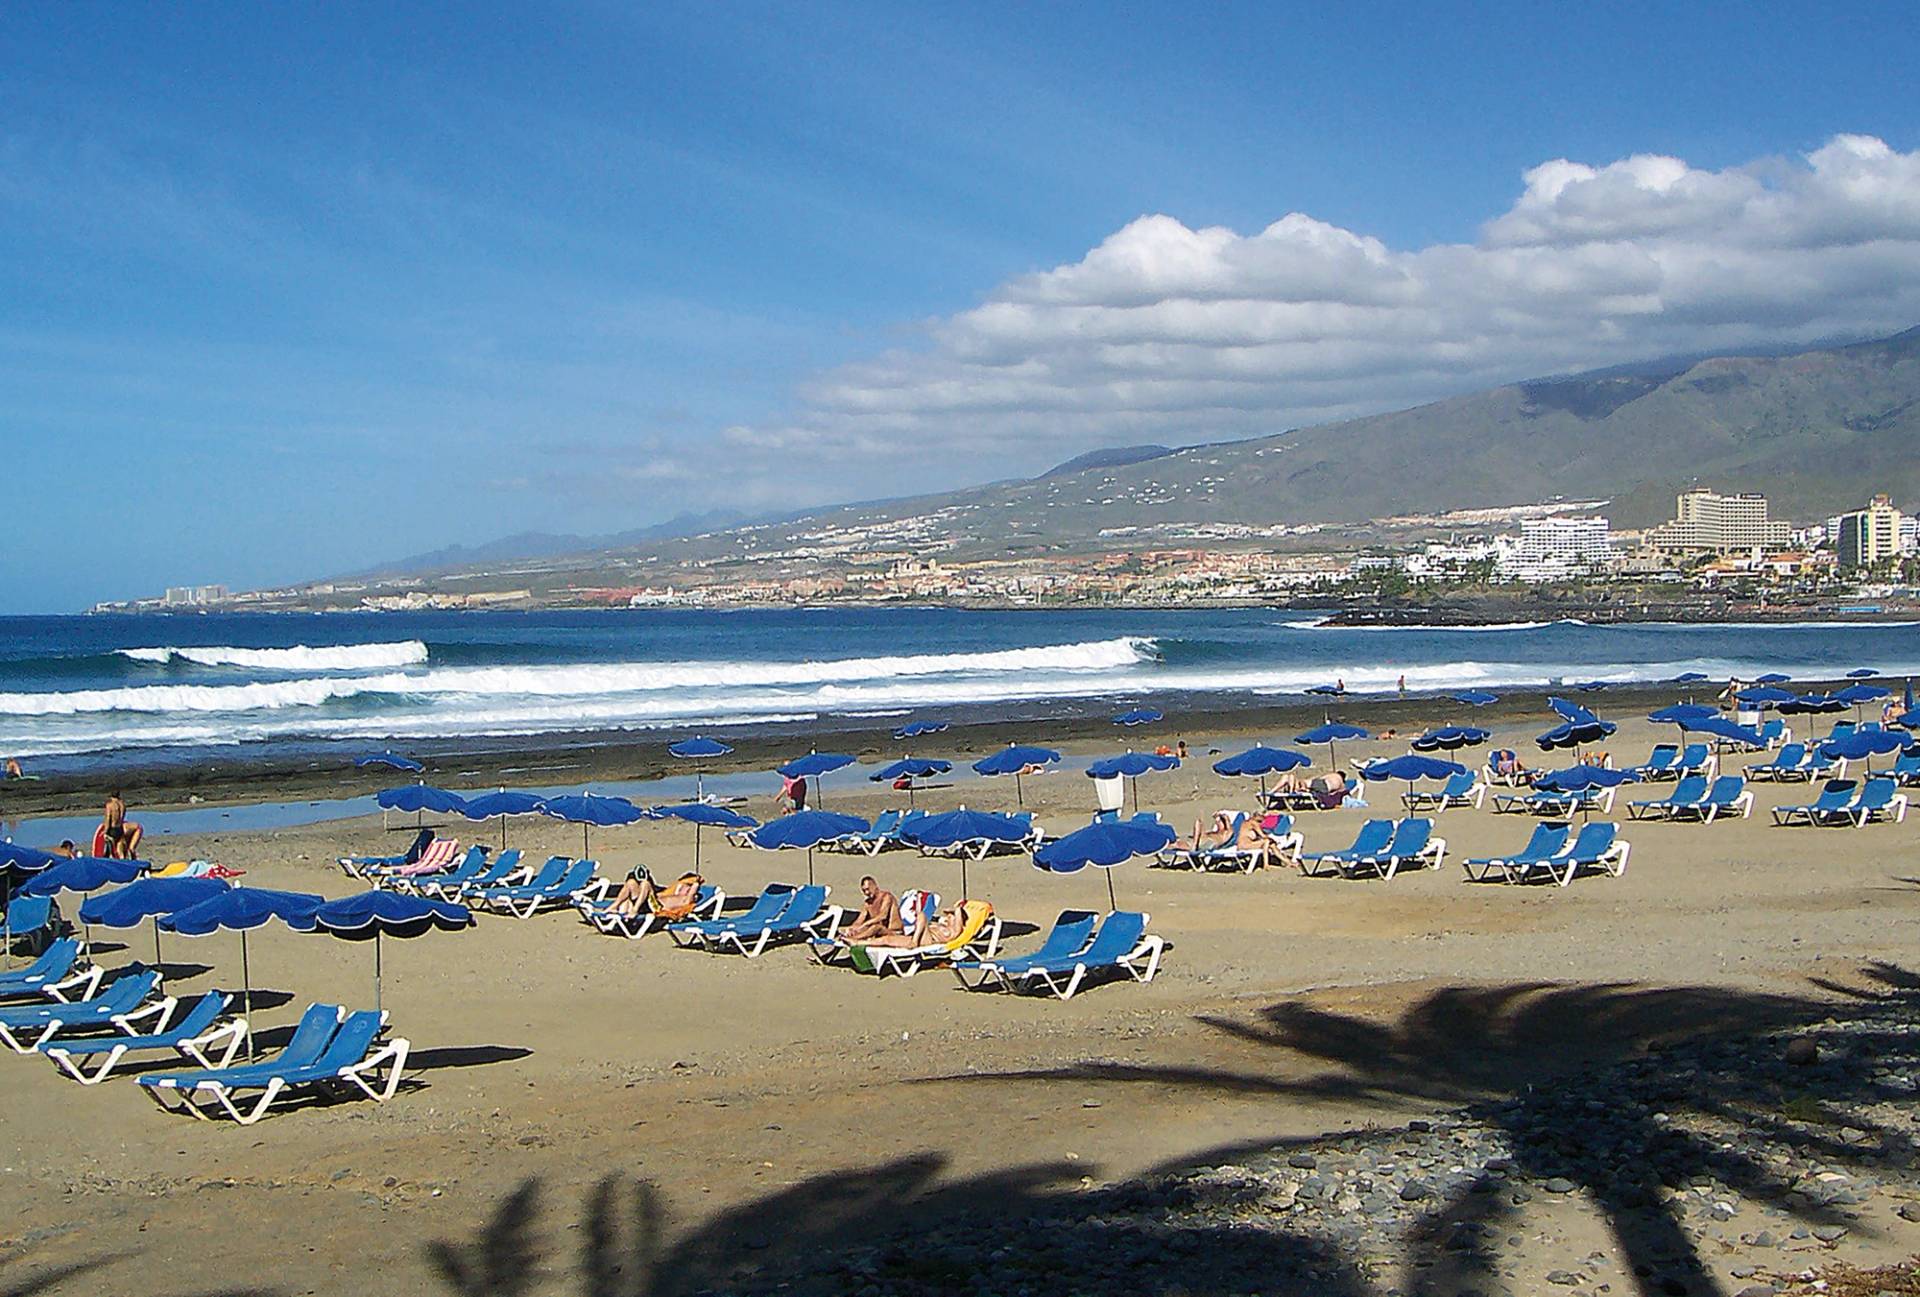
[(1329, 790), (1507, 765), (937, 929), (879, 914), (641, 892), (1215, 835)]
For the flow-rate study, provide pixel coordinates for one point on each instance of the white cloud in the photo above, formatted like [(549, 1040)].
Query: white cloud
[(1180, 334)]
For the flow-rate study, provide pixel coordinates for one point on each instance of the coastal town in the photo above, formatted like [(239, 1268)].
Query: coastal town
[(1718, 549)]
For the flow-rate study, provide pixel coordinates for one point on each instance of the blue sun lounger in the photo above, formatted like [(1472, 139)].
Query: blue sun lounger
[(1549, 839), (1068, 937), (325, 1049), (1788, 762), (806, 915), (1689, 794), (766, 907), (1412, 845), (550, 872), (53, 975), (359, 866), (1906, 769), (1554, 801), (1728, 797), (470, 872), (1122, 943), (1371, 840), (1834, 805), (554, 887), (708, 901), (194, 1037), (1596, 846), (1696, 759), (28, 916), (1660, 763), (1463, 789), (1879, 800), (26, 1029)]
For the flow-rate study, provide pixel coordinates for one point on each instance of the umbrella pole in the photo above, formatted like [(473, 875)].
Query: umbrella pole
[(696, 847), (585, 854), (376, 970), (503, 833), (963, 875), (1112, 904), (246, 982), (159, 966), (1136, 795), (809, 866), (1019, 794)]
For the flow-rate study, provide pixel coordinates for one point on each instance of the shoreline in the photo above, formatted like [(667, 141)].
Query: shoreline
[(602, 756)]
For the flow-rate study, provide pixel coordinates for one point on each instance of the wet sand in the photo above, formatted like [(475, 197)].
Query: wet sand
[(553, 1056)]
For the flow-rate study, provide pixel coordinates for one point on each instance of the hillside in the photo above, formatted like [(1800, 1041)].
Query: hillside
[(1817, 431)]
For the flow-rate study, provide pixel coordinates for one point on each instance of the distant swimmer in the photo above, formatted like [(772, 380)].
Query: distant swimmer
[(13, 769)]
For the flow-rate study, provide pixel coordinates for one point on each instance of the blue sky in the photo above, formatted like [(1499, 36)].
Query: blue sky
[(289, 290)]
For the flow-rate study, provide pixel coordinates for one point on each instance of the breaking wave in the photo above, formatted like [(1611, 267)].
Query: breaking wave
[(342, 657)]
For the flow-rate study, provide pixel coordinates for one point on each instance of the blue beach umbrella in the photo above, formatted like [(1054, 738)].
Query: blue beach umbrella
[(1764, 696), (1858, 695), (1579, 727), (1015, 759), (379, 914), (1130, 766), (82, 874), (588, 809), (389, 760), (1592, 686), (698, 748), (1103, 844), (1474, 697), (909, 769), (814, 765), (1722, 728), (1816, 704), (701, 815), (1451, 738), (418, 798), (1330, 733), (26, 859), (1411, 767), (1327, 691), (500, 805), (242, 909), (1689, 678), (1863, 745), (963, 828), (1681, 713), (805, 830), (1772, 678), (919, 729), (148, 898), (1580, 778), (1258, 762), (1862, 673), (1138, 716)]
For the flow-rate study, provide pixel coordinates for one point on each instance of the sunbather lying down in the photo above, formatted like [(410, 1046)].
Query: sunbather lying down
[(1249, 836), (927, 930), (641, 892)]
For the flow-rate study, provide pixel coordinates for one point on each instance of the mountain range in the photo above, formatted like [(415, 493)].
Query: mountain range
[(1817, 431)]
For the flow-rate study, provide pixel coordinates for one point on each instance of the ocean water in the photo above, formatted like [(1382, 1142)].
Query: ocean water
[(77, 690)]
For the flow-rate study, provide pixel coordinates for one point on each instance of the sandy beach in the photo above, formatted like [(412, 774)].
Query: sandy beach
[(783, 1110)]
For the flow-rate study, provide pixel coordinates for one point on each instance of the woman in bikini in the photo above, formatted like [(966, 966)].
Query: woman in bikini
[(641, 892)]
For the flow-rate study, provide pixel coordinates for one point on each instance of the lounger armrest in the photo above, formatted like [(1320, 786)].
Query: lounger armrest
[(1150, 949), (986, 942), (594, 891), (393, 1057), (826, 926), (88, 980), (160, 1010), (1437, 849), (201, 1048)]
